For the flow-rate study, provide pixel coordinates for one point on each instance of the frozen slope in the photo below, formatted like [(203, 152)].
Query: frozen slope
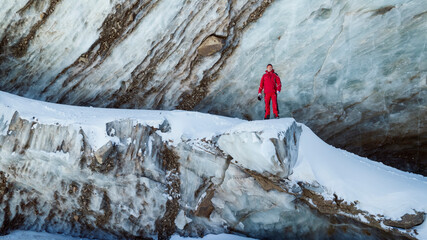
[(114, 173)]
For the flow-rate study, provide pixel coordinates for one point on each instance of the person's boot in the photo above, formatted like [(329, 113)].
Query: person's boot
[(276, 117), (267, 117)]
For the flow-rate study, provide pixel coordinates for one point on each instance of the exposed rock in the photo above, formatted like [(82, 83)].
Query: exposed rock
[(264, 182), (102, 153), (407, 221), (210, 45), (205, 208)]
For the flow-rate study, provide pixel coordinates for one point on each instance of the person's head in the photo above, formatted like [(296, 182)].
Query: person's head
[(269, 67)]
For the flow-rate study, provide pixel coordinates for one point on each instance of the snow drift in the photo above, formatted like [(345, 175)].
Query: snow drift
[(114, 173)]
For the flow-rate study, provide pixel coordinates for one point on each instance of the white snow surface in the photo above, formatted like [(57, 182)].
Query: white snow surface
[(378, 189)]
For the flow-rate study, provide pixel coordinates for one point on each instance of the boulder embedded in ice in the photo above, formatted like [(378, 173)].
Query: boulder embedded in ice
[(102, 153), (407, 220), (210, 45)]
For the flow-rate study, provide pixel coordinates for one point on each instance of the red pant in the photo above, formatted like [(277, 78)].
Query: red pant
[(267, 98)]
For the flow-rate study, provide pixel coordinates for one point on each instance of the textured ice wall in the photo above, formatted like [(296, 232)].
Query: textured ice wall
[(353, 71), (114, 173), (52, 180), (135, 185)]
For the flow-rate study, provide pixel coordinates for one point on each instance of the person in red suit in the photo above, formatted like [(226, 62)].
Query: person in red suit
[(272, 86)]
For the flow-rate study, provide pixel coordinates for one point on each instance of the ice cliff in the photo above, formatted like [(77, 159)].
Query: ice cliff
[(353, 71), (115, 173)]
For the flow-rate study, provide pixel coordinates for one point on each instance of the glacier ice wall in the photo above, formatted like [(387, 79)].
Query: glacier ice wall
[(132, 174), (135, 186), (354, 72)]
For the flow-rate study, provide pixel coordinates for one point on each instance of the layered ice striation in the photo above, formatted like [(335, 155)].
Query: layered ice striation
[(353, 71), (114, 174)]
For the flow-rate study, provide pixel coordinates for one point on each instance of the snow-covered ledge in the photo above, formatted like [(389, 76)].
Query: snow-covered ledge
[(111, 173)]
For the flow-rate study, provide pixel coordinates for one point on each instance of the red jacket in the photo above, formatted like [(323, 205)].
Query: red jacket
[(270, 82)]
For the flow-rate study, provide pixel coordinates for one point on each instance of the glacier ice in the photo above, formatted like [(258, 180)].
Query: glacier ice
[(115, 173), (354, 72)]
